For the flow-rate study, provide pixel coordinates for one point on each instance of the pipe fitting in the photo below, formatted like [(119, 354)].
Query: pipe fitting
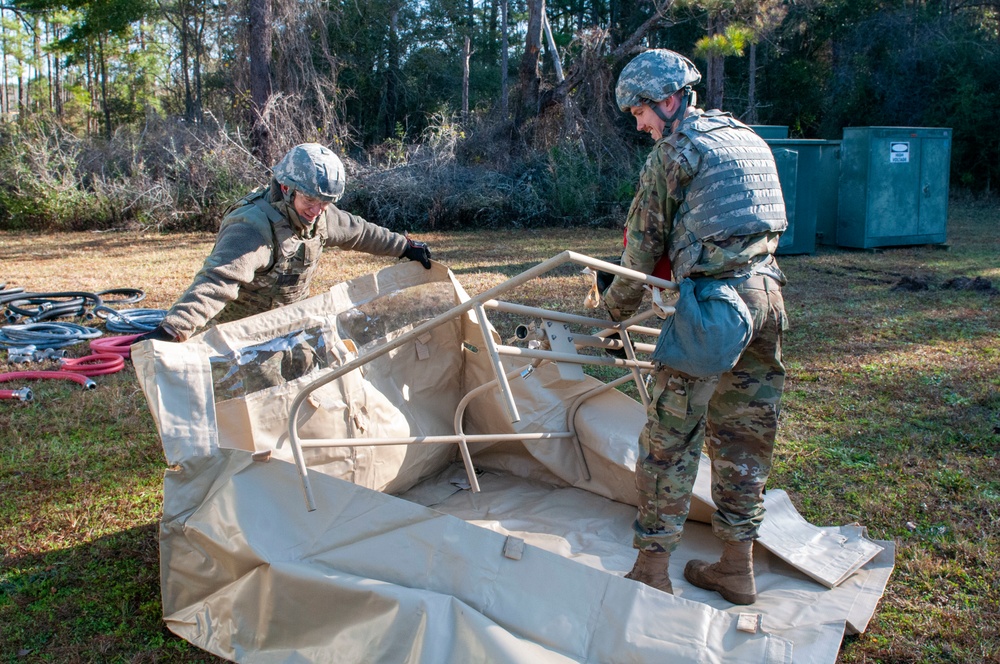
[(23, 394)]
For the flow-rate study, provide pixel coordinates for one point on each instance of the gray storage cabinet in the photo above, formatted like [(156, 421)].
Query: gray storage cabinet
[(893, 186)]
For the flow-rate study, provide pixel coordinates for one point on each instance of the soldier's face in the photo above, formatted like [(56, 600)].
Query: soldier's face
[(648, 121), (307, 207)]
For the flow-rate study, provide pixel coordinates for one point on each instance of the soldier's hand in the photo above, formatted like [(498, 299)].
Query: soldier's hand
[(604, 279), (161, 333), (418, 251), (615, 352)]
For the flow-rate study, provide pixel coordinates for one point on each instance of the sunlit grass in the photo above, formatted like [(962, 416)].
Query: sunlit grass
[(891, 418)]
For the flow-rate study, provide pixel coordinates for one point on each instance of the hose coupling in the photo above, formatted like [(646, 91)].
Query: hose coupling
[(22, 354)]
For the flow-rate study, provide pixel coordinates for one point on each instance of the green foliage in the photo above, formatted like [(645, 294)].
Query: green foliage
[(732, 41), (39, 186), (867, 64), (571, 184), (429, 187)]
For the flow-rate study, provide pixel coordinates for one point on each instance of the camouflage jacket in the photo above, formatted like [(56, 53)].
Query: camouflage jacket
[(653, 227), (262, 260)]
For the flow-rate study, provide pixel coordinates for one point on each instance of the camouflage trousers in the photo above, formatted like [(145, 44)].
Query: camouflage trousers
[(734, 416)]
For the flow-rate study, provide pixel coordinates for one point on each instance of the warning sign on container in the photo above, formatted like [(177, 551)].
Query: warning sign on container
[(899, 152)]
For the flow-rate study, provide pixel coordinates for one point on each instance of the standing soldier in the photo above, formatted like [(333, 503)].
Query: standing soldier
[(270, 242), (709, 200)]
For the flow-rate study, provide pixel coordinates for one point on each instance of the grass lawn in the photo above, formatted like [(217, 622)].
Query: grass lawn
[(891, 418)]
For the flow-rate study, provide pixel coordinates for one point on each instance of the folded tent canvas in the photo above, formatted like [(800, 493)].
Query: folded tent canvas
[(400, 560)]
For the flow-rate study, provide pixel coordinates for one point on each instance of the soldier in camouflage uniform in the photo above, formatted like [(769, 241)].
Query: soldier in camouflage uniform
[(708, 200), (270, 242)]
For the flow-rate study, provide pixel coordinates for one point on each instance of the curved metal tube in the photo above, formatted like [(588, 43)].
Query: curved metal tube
[(423, 328)]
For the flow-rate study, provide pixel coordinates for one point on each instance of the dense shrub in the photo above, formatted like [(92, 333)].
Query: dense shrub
[(451, 180), (169, 176), (39, 187), (175, 176)]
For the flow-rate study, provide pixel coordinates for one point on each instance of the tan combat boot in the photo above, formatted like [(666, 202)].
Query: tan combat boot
[(731, 577), (651, 569)]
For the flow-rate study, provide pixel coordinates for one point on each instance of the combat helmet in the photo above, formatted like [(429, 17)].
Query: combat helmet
[(312, 169), (653, 76)]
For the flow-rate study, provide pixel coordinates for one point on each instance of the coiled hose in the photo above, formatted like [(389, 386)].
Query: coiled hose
[(128, 295), (36, 307), (129, 321), (118, 345), (46, 335), (97, 364)]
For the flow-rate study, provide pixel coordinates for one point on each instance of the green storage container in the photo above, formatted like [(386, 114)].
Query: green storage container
[(808, 169), (893, 186), (770, 131)]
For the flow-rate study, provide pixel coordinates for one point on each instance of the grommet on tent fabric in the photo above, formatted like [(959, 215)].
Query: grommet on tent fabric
[(513, 547), (749, 623)]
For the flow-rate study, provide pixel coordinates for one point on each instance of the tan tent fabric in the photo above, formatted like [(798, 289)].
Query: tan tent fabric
[(400, 562)]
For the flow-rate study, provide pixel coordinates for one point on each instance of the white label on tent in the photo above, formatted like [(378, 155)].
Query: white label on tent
[(899, 152)]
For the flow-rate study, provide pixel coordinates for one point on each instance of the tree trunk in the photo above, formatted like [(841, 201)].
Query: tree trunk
[(104, 87), (4, 100), (715, 71), (716, 80), (528, 78), (392, 75), (199, 53), (553, 51), (504, 48), (57, 34), (48, 71), (578, 72), (91, 90), (36, 55), (260, 79), (752, 85), (185, 54), (466, 53)]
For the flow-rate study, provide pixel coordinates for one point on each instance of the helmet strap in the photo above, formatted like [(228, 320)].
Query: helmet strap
[(287, 207), (660, 114), (682, 107)]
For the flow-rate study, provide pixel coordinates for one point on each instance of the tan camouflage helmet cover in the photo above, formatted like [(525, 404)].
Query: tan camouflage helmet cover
[(312, 169), (653, 76)]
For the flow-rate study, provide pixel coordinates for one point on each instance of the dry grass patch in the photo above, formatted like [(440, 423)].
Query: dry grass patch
[(891, 418)]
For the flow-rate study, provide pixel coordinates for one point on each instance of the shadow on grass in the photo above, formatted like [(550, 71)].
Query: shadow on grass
[(101, 597)]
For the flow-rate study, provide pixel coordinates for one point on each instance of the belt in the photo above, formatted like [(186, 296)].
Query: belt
[(759, 282)]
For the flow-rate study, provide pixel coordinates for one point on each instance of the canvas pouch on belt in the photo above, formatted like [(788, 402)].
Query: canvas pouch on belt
[(710, 329)]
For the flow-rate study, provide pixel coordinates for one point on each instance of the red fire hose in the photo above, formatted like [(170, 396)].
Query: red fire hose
[(25, 395), (97, 364), (117, 345)]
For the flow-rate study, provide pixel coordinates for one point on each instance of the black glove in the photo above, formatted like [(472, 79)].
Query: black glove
[(604, 279), (161, 333), (418, 251), (615, 352)]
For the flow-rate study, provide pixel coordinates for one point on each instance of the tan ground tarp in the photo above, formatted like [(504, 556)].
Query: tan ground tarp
[(400, 562)]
